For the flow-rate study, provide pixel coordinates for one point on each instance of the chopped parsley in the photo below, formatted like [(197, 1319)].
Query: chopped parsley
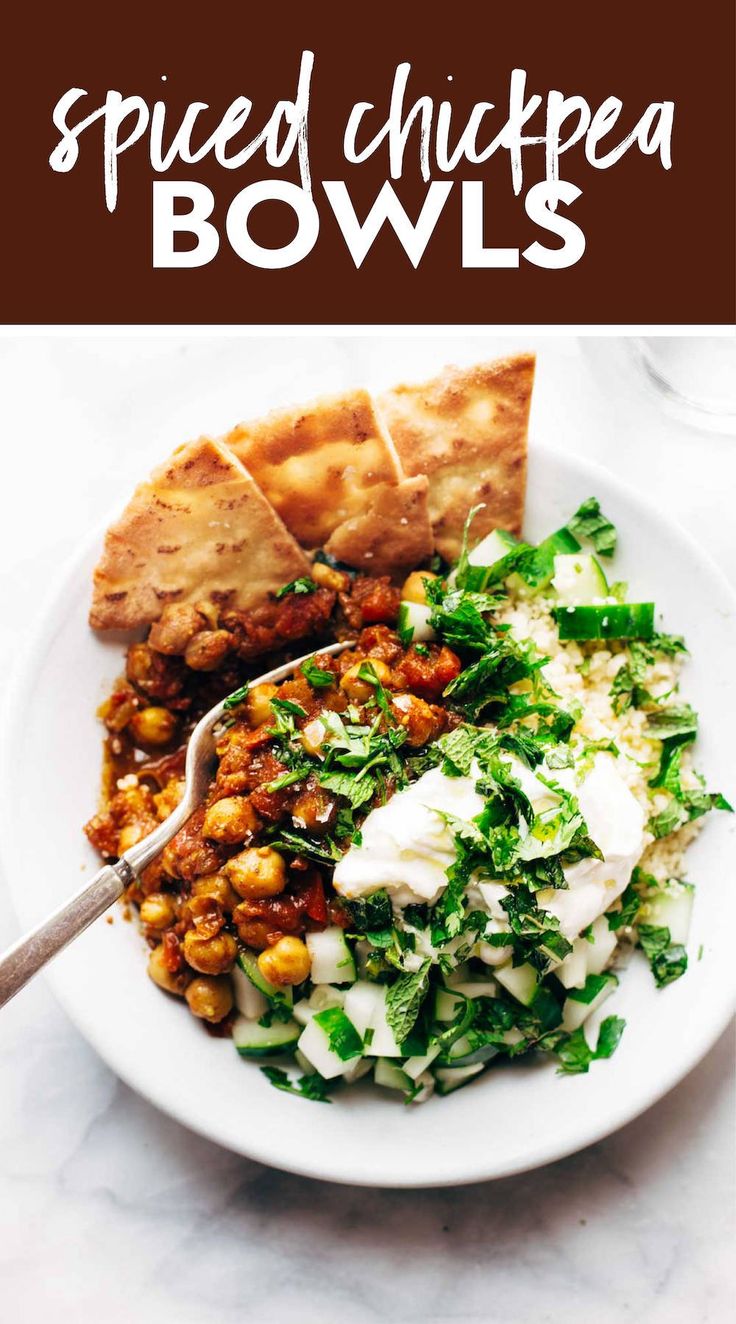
[(302, 585), (311, 1086), (318, 678), (590, 523)]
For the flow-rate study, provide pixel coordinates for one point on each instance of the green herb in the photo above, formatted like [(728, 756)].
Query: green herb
[(574, 1051), (324, 851), (341, 1033), (422, 650), (667, 960), (295, 774), (589, 522), (678, 720), (237, 697), (626, 916), (312, 1086), (358, 791), (403, 1000), (371, 913), (302, 585), (318, 679)]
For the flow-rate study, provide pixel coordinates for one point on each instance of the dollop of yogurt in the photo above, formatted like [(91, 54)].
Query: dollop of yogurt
[(407, 847)]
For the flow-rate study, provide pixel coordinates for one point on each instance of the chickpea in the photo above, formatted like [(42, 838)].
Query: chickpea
[(211, 956), (178, 623), (217, 886), (210, 998), (417, 717), (131, 835), (231, 820), (167, 799), (258, 704), (313, 736), (413, 589), (327, 577), (254, 932), (207, 649), (158, 910), (287, 962), (153, 726), (314, 809), (163, 977), (257, 873), (361, 690)]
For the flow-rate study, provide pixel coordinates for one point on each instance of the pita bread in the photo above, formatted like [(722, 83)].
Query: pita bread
[(392, 534), (466, 429), (319, 464), (199, 528)]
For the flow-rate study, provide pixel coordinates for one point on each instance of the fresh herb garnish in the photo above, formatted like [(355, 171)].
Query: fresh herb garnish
[(403, 1000), (237, 697), (302, 585), (318, 678), (574, 1052), (590, 522), (668, 960), (311, 1086)]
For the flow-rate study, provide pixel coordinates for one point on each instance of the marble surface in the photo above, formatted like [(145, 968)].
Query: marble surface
[(110, 1211)]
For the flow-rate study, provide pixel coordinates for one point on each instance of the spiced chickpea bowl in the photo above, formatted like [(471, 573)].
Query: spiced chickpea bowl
[(51, 761)]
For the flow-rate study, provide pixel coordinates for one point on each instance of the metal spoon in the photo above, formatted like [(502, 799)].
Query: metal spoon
[(30, 953)]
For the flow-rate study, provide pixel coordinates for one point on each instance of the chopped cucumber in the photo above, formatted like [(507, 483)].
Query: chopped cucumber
[(254, 1040), (390, 1076), (478, 988), (249, 1000), (451, 1078), (413, 623), (521, 981), (539, 568), (414, 1066), (446, 1004), (580, 1003), (331, 1042), (324, 996), (303, 1013), (589, 956), (579, 579), (249, 965), (332, 959), (671, 908), (464, 1054), (365, 1005), (621, 620), (492, 559)]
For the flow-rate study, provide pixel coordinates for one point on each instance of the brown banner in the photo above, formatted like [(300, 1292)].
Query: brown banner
[(640, 242)]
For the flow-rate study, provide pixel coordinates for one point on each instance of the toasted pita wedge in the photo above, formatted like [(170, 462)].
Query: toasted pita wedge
[(466, 429), (318, 465), (199, 528), (392, 534)]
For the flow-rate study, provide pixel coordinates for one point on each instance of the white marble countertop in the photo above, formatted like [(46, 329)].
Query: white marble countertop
[(109, 1210)]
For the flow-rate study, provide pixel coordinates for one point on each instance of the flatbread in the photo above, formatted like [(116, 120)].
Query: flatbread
[(466, 429), (392, 534), (319, 463), (200, 527)]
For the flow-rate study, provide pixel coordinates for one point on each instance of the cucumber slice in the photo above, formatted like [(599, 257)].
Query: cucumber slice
[(413, 623), (479, 988), (332, 959), (492, 559), (303, 1013), (589, 956), (390, 1076), (464, 1054), (451, 1078), (249, 1000), (580, 1003), (579, 579), (539, 568), (325, 1027), (621, 620), (365, 1005), (249, 965), (414, 1066), (446, 1004), (324, 996), (671, 908), (254, 1040), (521, 981)]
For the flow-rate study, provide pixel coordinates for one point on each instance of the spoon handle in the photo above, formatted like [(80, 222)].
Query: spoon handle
[(31, 952)]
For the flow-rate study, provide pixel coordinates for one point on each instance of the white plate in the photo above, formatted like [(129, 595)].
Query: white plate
[(518, 1115)]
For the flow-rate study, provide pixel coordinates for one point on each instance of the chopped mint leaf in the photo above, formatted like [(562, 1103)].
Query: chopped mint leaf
[(626, 916), (403, 1000), (589, 522), (324, 851), (574, 1051), (312, 1086), (677, 720), (317, 677), (358, 790), (302, 585), (371, 913), (668, 960)]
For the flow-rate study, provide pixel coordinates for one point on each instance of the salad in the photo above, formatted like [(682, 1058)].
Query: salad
[(437, 849)]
